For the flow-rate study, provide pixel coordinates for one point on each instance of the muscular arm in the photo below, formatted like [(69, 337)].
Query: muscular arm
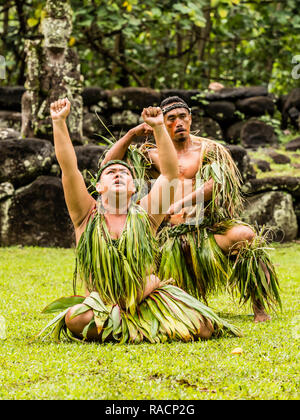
[(167, 156), (64, 150), (160, 196), (78, 200), (119, 149), (202, 193)]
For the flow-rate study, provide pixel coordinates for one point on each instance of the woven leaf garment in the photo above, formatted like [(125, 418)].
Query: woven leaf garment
[(115, 271)]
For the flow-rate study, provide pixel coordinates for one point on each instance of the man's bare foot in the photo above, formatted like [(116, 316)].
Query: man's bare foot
[(262, 317), (259, 314), (207, 330)]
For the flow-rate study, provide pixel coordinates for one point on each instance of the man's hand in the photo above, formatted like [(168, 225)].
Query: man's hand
[(60, 109), (176, 208), (153, 116), (142, 130)]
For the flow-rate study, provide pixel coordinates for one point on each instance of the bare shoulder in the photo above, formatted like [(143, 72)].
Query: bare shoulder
[(198, 143), (153, 152), (197, 139), (205, 143), (80, 225), (154, 157), (89, 207)]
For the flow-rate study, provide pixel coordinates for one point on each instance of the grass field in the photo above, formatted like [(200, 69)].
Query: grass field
[(288, 169), (268, 367)]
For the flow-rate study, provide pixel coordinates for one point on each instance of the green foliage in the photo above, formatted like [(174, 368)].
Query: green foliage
[(168, 44)]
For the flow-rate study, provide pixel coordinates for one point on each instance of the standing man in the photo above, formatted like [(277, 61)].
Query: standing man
[(219, 249)]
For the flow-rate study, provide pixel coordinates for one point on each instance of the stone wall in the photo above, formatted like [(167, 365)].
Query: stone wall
[(32, 207)]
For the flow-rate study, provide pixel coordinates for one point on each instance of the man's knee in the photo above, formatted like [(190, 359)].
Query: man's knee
[(77, 324), (235, 238), (243, 234)]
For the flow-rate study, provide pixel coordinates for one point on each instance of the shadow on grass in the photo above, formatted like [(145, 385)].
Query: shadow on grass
[(238, 317)]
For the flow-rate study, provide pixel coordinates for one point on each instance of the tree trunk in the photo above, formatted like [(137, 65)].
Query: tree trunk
[(204, 33), (53, 72)]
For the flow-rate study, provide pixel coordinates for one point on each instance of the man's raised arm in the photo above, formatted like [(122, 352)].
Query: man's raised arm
[(119, 149), (162, 193), (78, 200)]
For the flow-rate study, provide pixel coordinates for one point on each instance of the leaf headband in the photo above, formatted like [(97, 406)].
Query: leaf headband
[(174, 106), (115, 162)]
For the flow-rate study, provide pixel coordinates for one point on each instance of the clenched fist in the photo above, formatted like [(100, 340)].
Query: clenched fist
[(153, 116), (142, 130), (60, 109)]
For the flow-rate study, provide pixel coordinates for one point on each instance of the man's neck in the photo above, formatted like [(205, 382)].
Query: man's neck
[(183, 145), (116, 207)]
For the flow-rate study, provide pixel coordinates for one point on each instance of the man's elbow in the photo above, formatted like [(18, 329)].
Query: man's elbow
[(172, 174)]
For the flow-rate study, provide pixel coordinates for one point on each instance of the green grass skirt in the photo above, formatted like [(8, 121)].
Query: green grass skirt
[(167, 314), (191, 256)]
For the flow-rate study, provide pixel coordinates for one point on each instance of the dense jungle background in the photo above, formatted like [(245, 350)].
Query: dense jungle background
[(167, 44)]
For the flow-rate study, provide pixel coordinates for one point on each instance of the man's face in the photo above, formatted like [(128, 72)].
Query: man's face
[(178, 123), (116, 179)]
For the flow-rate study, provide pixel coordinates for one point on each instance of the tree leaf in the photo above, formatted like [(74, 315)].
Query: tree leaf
[(31, 22)]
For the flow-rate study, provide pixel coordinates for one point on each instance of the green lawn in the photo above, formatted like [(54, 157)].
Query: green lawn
[(287, 169), (268, 368)]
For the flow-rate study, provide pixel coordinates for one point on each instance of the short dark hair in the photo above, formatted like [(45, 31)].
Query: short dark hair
[(172, 100)]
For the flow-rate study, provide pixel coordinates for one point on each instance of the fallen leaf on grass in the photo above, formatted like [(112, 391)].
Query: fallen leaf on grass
[(237, 350)]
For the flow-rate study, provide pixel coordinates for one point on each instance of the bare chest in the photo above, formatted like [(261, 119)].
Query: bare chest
[(115, 225), (188, 165)]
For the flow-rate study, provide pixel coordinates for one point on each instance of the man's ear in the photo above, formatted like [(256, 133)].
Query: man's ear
[(132, 188), (99, 188), (190, 120)]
